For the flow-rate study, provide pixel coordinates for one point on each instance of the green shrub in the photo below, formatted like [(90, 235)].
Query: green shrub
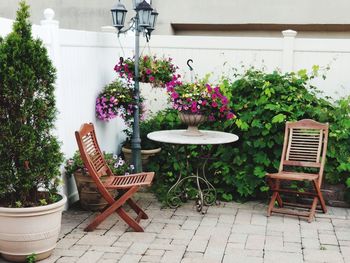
[(30, 155), (263, 103)]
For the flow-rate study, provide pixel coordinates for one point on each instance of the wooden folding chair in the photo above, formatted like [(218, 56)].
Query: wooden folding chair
[(305, 146), (126, 184)]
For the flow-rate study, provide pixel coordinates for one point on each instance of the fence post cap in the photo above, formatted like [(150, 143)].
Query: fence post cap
[(49, 14), (289, 33)]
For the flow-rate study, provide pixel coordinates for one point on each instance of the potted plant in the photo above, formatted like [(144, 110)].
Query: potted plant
[(30, 206), (157, 71), (196, 102), (89, 198), (148, 148)]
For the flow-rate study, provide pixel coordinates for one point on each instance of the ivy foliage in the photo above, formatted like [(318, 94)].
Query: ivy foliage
[(263, 102), (29, 154)]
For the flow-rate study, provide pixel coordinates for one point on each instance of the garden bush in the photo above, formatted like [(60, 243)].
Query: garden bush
[(30, 155), (263, 102)]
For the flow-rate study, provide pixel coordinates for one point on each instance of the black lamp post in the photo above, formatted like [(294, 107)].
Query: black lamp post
[(143, 21)]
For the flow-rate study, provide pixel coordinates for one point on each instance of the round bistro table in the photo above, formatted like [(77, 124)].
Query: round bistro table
[(206, 192)]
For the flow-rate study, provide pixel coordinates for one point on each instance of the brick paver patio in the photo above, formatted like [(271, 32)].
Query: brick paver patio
[(229, 232)]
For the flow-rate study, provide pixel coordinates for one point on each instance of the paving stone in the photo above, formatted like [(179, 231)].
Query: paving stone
[(238, 238), (342, 234), (66, 242), (138, 248), (285, 257), (154, 227), (274, 243), (255, 242), (137, 236), (190, 224), (310, 243), (120, 250), (328, 239), (97, 240), (155, 252), (329, 256), (67, 259), (243, 217), (50, 259), (147, 258), (209, 221), (197, 244), (130, 258), (248, 229), (241, 259), (68, 252), (90, 257), (258, 219), (172, 256), (226, 219), (292, 237), (111, 255)]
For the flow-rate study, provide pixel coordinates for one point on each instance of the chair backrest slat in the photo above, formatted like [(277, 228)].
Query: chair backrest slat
[(305, 144), (90, 151)]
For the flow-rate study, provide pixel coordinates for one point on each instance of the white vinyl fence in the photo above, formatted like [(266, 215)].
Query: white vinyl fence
[(85, 62)]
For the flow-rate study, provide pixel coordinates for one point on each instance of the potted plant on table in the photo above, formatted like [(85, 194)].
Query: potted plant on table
[(89, 198), (196, 102), (30, 205)]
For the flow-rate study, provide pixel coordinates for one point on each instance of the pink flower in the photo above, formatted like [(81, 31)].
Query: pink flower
[(148, 71), (211, 117), (230, 116), (214, 104), (174, 95), (224, 100), (151, 78)]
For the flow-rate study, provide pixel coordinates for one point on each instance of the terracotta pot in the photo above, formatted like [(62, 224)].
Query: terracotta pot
[(24, 231), (145, 154), (89, 197), (193, 121)]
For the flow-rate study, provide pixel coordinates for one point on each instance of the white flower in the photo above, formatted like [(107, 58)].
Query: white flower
[(115, 157)]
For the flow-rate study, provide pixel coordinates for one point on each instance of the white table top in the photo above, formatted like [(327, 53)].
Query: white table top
[(180, 137)]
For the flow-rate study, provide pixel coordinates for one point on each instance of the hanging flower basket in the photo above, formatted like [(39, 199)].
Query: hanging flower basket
[(157, 71), (200, 98), (116, 100)]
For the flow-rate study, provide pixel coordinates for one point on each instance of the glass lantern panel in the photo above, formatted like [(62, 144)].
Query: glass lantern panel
[(144, 18)]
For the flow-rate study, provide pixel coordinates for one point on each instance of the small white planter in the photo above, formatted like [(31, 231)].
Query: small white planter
[(24, 231)]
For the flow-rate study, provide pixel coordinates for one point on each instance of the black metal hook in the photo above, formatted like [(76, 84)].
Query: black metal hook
[(121, 60), (188, 64)]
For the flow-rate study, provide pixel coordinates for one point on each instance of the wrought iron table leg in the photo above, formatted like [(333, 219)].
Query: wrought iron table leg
[(205, 196)]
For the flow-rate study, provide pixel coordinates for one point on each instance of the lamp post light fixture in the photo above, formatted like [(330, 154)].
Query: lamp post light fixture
[(143, 21)]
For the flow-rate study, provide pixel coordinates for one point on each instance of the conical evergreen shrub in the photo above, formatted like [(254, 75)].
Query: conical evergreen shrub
[(30, 155)]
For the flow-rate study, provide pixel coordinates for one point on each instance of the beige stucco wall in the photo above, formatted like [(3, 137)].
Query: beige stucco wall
[(92, 14)]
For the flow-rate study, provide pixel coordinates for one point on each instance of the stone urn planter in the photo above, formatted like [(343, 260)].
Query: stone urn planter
[(24, 231), (145, 154), (192, 121), (89, 197)]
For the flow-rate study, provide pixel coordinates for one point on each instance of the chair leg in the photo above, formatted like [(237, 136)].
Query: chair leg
[(272, 203), (320, 196), (111, 209), (279, 200), (129, 220), (137, 209), (313, 209)]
